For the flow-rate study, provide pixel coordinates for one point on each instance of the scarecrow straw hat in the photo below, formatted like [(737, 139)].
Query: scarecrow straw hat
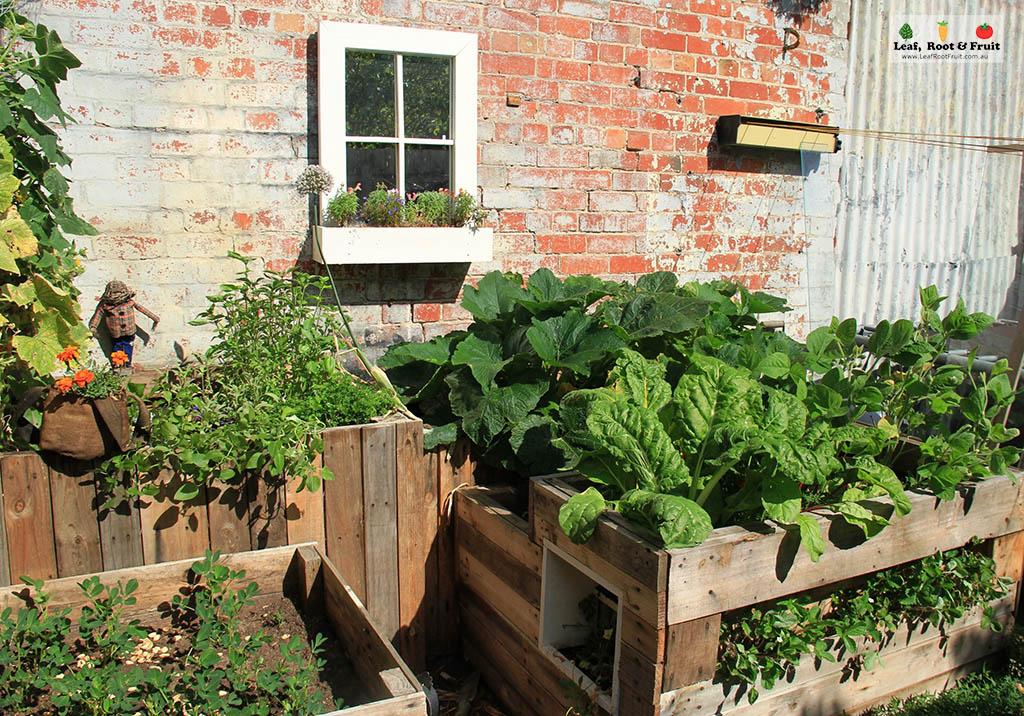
[(116, 292)]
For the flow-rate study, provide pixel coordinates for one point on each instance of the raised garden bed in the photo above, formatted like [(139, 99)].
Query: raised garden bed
[(521, 580), (380, 682)]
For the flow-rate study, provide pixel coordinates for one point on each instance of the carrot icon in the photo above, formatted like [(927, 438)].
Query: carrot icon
[(943, 29)]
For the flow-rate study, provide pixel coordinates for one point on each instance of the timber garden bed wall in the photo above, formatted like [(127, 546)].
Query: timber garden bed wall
[(514, 591), (379, 521)]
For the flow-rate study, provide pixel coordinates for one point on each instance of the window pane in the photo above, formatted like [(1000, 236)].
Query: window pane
[(427, 168), (427, 87), (370, 164), (369, 94)]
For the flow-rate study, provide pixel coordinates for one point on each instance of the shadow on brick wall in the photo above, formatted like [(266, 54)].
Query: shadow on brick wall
[(796, 10)]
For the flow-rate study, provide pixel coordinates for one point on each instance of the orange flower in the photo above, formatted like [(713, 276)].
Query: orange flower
[(68, 354), (63, 384), (83, 377), (119, 358)]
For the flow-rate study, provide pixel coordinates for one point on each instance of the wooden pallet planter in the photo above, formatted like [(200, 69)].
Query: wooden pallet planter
[(520, 580), (379, 520), (300, 571)]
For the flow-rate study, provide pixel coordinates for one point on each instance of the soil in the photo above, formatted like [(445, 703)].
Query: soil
[(277, 617)]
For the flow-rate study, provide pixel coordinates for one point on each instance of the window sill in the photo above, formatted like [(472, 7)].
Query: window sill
[(402, 245)]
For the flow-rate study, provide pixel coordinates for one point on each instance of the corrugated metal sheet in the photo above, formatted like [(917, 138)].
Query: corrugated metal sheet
[(913, 215)]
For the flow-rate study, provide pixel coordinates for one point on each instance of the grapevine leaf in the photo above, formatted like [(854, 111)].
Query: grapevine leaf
[(437, 352), (652, 314), (578, 516), (483, 358)]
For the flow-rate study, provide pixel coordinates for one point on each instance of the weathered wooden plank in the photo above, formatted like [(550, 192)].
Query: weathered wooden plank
[(417, 530), (267, 524), (641, 635), (227, 509), (120, 530), (447, 618), (691, 652), (514, 655), (519, 611), (1008, 553), (5, 563), (714, 577), (308, 562), (373, 656), (522, 578), (814, 682), (304, 512), (431, 574), (380, 506), (641, 597), (158, 583), (170, 530), (28, 518), (76, 530), (499, 678), (477, 508), (343, 506), (408, 705), (638, 673)]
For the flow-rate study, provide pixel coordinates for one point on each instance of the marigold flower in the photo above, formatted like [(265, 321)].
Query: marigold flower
[(68, 354), (119, 358), (83, 377), (63, 384)]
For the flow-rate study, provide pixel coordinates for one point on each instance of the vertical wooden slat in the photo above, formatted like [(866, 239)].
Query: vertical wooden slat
[(431, 571), (691, 652), (120, 531), (447, 627), (417, 529), (343, 506), (380, 498), (171, 531), (267, 525), (227, 509), (304, 512), (76, 528), (5, 563), (27, 517)]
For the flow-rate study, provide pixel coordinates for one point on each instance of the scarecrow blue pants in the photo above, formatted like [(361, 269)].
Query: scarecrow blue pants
[(124, 343)]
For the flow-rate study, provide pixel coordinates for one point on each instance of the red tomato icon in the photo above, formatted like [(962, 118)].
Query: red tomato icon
[(984, 31)]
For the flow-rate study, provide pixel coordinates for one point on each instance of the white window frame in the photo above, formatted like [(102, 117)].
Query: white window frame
[(337, 37)]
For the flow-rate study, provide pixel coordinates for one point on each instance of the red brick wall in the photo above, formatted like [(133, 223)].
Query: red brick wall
[(195, 117)]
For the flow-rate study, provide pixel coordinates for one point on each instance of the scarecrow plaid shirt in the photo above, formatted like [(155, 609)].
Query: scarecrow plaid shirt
[(119, 319)]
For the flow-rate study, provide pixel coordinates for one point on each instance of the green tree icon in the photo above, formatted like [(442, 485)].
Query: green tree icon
[(905, 32)]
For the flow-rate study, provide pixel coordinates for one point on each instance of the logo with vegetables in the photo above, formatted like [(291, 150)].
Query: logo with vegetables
[(943, 30), (984, 31)]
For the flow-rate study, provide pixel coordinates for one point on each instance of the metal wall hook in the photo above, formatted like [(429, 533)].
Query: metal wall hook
[(786, 44)]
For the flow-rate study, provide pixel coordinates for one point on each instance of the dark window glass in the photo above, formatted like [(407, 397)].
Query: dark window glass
[(371, 164), (427, 88), (369, 94), (427, 167)]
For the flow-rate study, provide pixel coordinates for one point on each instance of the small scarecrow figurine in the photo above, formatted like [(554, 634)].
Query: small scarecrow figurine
[(117, 307)]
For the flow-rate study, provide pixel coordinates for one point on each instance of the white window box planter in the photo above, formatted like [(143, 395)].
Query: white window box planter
[(401, 245)]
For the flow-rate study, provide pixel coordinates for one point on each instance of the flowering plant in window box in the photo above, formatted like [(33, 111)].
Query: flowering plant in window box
[(430, 227)]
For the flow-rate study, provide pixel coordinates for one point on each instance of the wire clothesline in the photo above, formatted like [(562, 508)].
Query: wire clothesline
[(934, 139)]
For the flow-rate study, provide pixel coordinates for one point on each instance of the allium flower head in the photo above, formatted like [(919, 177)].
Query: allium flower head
[(314, 180)]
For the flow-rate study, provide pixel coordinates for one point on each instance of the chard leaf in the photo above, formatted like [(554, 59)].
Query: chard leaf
[(785, 414), (636, 437), (572, 341), (601, 467), (882, 476), (681, 522), (860, 516), (781, 498), (483, 358), (641, 380), (495, 296), (508, 405), (578, 516), (573, 410), (717, 396), (774, 365), (810, 536)]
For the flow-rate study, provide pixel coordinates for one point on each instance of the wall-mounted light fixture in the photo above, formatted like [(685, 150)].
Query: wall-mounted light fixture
[(739, 130)]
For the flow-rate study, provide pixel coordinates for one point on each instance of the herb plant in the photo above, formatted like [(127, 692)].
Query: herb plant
[(344, 206), (383, 207), (258, 400), (114, 666), (762, 645)]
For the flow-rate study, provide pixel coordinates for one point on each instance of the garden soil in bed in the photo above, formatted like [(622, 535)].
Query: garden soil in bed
[(277, 617)]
